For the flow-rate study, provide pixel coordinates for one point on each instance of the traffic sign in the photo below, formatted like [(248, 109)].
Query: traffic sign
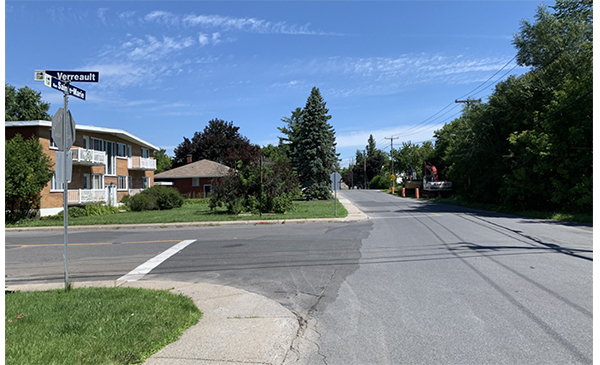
[(60, 166), (335, 178), (75, 76), (57, 130), (62, 86)]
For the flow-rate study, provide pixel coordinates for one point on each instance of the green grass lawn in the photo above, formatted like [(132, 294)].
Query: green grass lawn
[(93, 325), (197, 213)]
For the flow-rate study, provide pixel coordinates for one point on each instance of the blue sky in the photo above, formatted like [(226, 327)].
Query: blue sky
[(168, 67)]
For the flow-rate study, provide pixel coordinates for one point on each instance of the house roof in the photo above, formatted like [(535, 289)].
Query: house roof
[(202, 168), (86, 128)]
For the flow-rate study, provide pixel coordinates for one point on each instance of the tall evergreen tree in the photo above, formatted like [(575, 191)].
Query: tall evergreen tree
[(289, 143), (316, 156)]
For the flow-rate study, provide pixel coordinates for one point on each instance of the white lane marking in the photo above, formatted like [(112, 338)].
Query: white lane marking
[(147, 266)]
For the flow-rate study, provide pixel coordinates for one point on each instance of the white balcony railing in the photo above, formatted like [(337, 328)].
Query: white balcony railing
[(87, 196), (132, 192), (88, 157), (140, 163)]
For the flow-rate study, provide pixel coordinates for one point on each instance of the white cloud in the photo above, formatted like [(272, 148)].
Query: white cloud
[(162, 17), (152, 48), (203, 39), (127, 17), (102, 14), (388, 75), (248, 25)]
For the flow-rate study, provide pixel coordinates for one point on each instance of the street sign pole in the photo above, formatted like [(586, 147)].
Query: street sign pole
[(65, 188), (61, 80), (335, 178), (335, 209)]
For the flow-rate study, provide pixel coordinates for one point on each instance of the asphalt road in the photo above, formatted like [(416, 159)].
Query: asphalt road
[(419, 283)]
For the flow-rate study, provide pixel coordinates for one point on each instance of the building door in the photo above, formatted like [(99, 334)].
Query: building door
[(112, 194)]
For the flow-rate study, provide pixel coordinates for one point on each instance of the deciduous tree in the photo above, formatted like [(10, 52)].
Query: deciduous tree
[(24, 104), (28, 169)]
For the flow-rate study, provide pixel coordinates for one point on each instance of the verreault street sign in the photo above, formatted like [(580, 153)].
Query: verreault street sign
[(75, 76)]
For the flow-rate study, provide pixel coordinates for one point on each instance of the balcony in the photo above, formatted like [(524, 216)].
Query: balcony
[(84, 156), (87, 196), (140, 163)]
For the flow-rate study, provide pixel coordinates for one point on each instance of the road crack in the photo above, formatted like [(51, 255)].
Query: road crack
[(308, 337)]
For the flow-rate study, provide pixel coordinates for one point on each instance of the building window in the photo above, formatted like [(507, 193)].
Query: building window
[(86, 181), (129, 154), (121, 150), (111, 160), (122, 183), (145, 182), (97, 144), (145, 153), (130, 182), (86, 142), (55, 185), (207, 189), (97, 182), (195, 181), (52, 143)]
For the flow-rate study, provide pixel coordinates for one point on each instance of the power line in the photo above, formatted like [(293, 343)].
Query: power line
[(507, 63)]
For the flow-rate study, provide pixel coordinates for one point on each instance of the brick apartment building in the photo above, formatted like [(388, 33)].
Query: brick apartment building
[(107, 164)]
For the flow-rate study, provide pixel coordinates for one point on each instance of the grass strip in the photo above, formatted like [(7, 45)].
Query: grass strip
[(93, 325), (196, 213), (555, 216)]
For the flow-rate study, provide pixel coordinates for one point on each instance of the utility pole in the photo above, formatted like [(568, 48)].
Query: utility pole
[(365, 163), (392, 157), (351, 165), (468, 101)]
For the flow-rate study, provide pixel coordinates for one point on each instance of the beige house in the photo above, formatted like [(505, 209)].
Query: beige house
[(107, 164)]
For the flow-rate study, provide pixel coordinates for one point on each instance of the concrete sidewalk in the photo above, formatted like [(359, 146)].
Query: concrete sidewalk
[(237, 327)]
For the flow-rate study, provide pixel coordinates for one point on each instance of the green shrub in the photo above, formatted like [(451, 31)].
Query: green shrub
[(252, 204), (158, 197), (89, 210), (283, 203), (140, 202), (125, 199), (380, 182), (166, 197), (236, 207)]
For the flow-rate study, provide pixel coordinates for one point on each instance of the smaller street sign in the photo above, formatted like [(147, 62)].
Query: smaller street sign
[(75, 76), (57, 130), (60, 169), (38, 75), (62, 86)]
